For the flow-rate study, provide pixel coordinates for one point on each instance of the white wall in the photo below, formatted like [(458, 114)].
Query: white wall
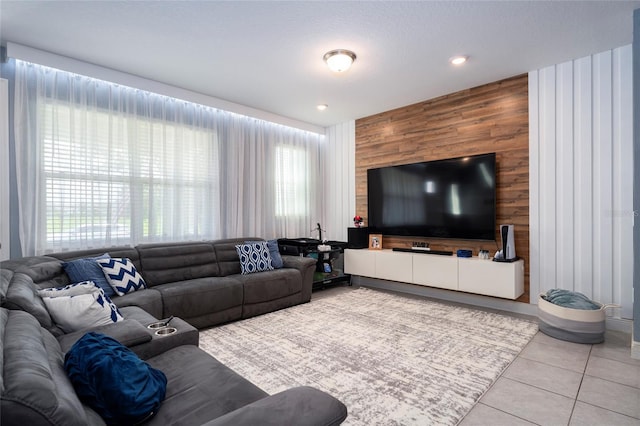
[(339, 203), (4, 170), (581, 178)]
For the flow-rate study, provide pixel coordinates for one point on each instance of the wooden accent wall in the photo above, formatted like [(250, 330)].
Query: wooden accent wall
[(489, 118)]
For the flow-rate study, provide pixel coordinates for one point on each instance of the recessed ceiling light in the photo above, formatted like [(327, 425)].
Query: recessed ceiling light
[(322, 107), (458, 60), (339, 60)]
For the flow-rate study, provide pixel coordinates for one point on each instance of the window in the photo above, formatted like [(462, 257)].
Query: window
[(112, 179), (292, 177), (99, 165)]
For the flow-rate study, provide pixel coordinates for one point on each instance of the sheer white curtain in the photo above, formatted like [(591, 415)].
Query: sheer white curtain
[(99, 164)]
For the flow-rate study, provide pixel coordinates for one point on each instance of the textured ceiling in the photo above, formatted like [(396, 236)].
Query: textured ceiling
[(268, 55)]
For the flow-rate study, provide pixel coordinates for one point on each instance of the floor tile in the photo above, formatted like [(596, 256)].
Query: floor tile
[(570, 356), (483, 415), (528, 402), (617, 346), (589, 415), (540, 337), (611, 396), (554, 379), (614, 371)]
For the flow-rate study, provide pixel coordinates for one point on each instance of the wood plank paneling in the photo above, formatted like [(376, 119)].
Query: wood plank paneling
[(489, 118)]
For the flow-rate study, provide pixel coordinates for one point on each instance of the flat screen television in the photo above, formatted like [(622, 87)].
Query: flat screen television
[(453, 198)]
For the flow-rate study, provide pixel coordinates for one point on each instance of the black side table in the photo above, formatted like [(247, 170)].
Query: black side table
[(329, 264)]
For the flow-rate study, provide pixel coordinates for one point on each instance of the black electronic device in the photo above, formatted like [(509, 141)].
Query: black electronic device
[(452, 198), (408, 250), (357, 238)]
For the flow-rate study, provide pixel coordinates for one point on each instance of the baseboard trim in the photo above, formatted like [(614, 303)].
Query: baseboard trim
[(449, 295), (616, 324), (619, 324)]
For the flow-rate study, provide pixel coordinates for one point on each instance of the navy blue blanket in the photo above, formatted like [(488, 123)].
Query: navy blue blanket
[(112, 380)]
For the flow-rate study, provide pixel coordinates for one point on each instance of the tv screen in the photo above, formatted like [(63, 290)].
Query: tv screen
[(452, 198)]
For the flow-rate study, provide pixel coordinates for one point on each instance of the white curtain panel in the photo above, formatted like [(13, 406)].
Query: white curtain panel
[(99, 165)]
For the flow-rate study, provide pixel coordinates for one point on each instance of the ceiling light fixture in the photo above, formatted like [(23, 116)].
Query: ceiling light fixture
[(339, 60), (322, 107), (458, 60)]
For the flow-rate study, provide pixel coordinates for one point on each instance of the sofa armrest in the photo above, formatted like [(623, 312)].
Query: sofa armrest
[(302, 406), (128, 332), (306, 266)]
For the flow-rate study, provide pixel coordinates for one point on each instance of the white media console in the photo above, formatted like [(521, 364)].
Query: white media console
[(472, 275)]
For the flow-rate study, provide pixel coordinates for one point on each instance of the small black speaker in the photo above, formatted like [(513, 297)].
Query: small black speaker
[(358, 238)]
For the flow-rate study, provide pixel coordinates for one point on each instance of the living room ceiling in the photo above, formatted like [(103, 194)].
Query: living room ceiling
[(268, 55)]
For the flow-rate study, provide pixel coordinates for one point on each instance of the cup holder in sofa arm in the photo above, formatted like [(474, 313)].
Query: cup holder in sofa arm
[(129, 332), (166, 331)]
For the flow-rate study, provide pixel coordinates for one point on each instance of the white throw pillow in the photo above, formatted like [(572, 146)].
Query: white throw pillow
[(80, 306), (122, 275), (84, 287)]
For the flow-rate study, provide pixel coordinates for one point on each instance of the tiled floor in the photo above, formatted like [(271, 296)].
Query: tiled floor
[(553, 382)]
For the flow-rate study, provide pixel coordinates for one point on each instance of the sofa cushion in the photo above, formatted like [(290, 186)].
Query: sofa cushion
[(22, 294), (80, 306), (168, 263), (294, 406), (202, 392), (122, 275), (129, 332), (138, 314), (122, 251), (272, 285), (5, 278), (45, 271), (87, 269), (35, 388), (254, 257), (192, 298), (150, 300), (112, 380)]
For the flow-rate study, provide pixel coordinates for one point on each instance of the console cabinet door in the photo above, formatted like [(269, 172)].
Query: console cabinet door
[(496, 279), (360, 262), (394, 266), (435, 271)]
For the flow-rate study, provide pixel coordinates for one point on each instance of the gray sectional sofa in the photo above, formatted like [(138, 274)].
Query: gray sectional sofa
[(199, 282), (201, 285)]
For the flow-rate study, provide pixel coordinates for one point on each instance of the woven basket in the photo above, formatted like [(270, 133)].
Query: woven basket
[(572, 325)]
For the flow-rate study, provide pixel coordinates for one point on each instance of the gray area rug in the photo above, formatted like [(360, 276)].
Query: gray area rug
[(391, 359)]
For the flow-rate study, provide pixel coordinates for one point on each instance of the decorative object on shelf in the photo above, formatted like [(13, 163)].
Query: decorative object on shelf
[(357, 221), (375, 242), (483, 254), (464, 253)]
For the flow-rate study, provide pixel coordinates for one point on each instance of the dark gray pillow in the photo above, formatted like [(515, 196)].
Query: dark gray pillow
[(274, 251)]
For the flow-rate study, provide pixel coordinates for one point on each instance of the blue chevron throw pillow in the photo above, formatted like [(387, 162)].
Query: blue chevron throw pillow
[(254, 257), (122, 275)]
